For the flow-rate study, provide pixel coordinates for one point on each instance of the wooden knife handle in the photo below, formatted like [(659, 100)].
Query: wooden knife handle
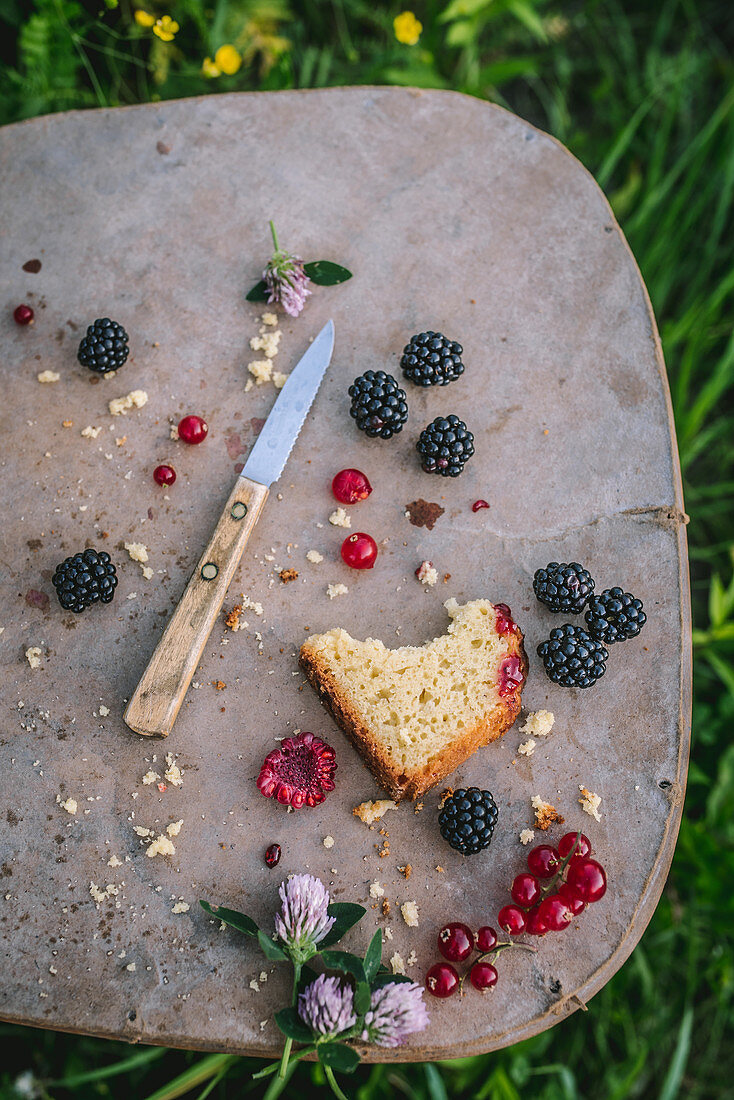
[(156, 700)]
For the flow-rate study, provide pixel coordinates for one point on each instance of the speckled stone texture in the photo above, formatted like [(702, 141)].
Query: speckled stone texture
[(453, 215)]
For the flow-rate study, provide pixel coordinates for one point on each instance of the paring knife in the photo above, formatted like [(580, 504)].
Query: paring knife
[(156, 700)]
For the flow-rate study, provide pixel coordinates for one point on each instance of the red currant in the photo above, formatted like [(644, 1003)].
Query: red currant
[(442, 980), (544, 861), (511, 919), (572, 898), (536, 924), (350, 486), (359, 551), (164, 475), (567, 842), (525, 890), (483, 976), (588, 879), (455, 941), (23, 315), (193, 429), (272, 856), (555, 912), (486, 939)]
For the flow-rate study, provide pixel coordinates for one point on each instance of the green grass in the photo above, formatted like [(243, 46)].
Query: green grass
[(643, 93)]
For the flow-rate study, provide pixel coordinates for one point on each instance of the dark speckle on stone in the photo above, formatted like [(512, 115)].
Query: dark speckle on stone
[(555, 986), (12, 818), (34, 544), (664, 784), (151, 514), (608, 228), (258, 423), (162, 148), (239, 467), (34, 598), (32, 266), (234, 444)]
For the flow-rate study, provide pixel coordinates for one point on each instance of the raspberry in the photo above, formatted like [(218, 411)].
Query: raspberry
[(299, 773)]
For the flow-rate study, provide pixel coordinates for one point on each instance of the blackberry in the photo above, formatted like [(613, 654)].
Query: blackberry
[(432, 360), (378, 404), (615, 616), (104, 348), (445, 446), (467, 820), (83, 579), (563, 587), (573, 658)]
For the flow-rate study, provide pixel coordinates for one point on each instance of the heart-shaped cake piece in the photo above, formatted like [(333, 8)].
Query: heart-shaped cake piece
[(416, 713)]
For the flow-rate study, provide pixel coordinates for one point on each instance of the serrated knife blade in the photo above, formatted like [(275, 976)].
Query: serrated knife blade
[(270, 451)]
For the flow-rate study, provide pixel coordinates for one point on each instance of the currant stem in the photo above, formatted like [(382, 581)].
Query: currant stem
[(274, 236), (329, 1072)]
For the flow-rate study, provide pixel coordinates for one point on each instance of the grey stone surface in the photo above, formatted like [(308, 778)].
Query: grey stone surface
[(157, 216)]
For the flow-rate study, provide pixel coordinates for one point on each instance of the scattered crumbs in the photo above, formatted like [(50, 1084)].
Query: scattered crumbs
[(527, 748), (376, 891), (150, 777), (328, 842), (219, 685), (279, 379), (370, 812), (113, 861), (445, 794), (103, 710), (130, 967), (147, 572), (527, 836), (232, 618), (538, 724), (33, 656), (131, 596), (334, 590), (120, 440), (412, 959), (70, 804), (314, 557), (427, 574), (418, 807), (173, 434), (545, 814), (406, 870), (100, 895), (52, 970), (386, 908), (174, 828), (397, 964), (590, 803), (409, 910), (288, 575), (142, 831), (173, 773), (67, 423), (254, 985), (89, 432), (181, 907), (388, 933), (339, 518), (266, 342), (269, 318), (118, 406), (138, 551), (439, 868), (49, 376), (161, 846), (251, 605)]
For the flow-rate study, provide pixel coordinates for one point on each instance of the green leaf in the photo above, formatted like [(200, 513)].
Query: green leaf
[(346, 914), (344, 960), (269, 948), (259, 292), (373, 956), (326, 273), (230, 916), (362, 998), (385, 979), (338, 1056), (291, 1024)]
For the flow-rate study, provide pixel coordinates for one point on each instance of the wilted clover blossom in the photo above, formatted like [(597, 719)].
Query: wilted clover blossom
[(286, 281), (396, 1011), (303, 920), (327, 1006)]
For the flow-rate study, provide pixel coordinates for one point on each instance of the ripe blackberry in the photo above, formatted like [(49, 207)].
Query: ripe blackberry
[(378, 404), (432, 360), (467, 820), (615, 616), (83, 579), (445, 446), (573, 658), (104, 348), (563, 587)]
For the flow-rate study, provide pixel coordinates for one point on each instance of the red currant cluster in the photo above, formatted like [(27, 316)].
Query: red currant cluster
[(559, 885), (457, 942)]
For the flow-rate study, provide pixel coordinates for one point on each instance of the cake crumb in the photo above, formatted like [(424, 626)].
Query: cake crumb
[(328, 842), (266, 342), (339, 518), (147, 572), (118, 406), (161, 846), (279, 379), (138, 551), (142, 831), (386, 911), (444, 796), (418, 807), (409, 910), (49, 376), (439, 868), (288, 575), (314, 557), (527, 836), (539, 723), (150, 777), (527, 748), (131, 967), (114, 861), (70, 804), (173, 773), (388, 933), (269, 318), (33, 656), (90, 432), (336, 590), (376, 891), (181, 907), (103, 710), (545, 814), (232, 618), (174, 828), (590, 803), (427, 574), (397, 964), (412, 959), (369, 812), (219, 685), (406, 870), (251, 605)]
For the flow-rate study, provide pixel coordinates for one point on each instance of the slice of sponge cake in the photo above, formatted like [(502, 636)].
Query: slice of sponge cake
[(417, 712)]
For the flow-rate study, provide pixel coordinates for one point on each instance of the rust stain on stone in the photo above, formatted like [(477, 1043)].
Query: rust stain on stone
[(235, 446), (258, 423), (162, 148), (34, 598), (422, 513)]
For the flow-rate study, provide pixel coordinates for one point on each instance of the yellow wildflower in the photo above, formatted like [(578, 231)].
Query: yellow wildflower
[(166, 28), (144, 18), (407, 28), (208, 68), (228, 59)]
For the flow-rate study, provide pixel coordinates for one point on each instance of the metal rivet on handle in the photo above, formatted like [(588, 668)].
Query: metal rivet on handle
[(209, 570), (239, 510)]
